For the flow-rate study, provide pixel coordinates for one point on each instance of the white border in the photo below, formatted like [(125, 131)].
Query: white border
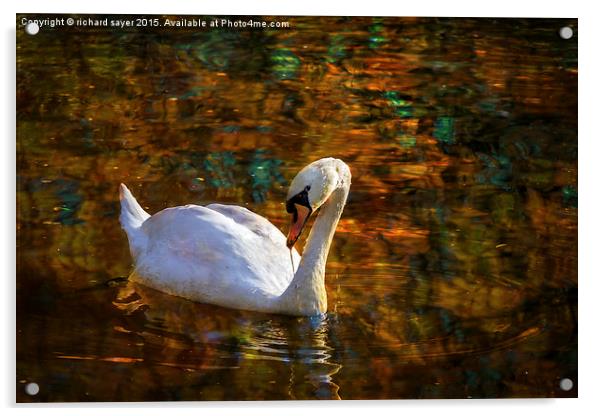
[(589, 202), (458, 8)]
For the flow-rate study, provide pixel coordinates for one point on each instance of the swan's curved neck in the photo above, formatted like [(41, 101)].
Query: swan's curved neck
[(307, 292)]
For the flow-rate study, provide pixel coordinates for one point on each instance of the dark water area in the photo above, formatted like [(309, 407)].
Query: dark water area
[(453, 272)]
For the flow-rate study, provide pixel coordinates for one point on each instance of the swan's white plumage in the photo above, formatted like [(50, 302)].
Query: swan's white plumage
[(132, 217), (229, 256), (220, 254)]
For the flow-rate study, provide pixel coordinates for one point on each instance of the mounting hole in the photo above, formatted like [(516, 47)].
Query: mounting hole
[(565, 32), (32, 389), (32, 28), (566, 384)]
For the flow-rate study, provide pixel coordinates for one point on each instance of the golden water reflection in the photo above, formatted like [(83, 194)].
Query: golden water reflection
[(260, 338)]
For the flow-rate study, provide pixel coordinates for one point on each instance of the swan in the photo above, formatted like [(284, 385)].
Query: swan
[(229, 256)]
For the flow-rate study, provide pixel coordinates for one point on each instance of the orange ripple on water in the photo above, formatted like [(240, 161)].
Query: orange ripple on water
[(107, 359)]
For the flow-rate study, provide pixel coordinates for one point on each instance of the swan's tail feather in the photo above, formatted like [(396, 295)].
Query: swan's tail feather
[(131, 218)]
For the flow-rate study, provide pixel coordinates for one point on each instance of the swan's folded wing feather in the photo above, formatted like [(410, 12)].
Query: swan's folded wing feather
[(255, 223)]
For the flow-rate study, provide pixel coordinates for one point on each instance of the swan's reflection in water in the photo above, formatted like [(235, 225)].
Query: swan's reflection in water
[(201, 338)]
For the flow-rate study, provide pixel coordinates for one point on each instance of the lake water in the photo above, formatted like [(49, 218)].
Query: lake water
[(453, 272)]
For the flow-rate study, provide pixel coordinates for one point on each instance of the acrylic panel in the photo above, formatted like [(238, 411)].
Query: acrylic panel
[(453, 269)]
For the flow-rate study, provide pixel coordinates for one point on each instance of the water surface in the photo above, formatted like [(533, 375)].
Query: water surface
[(453, 272)]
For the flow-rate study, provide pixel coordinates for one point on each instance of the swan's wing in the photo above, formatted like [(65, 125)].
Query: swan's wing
[(255, 223), (204, 254)]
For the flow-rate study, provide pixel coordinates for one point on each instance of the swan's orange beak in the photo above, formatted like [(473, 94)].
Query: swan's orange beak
[(300, 215)]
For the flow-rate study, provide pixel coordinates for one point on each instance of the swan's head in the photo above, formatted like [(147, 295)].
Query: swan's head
[(310, 189)]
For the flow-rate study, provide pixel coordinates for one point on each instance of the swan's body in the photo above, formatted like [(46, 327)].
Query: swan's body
[(229, 256)]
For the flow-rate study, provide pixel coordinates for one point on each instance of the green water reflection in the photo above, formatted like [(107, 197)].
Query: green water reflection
[(453, 272)]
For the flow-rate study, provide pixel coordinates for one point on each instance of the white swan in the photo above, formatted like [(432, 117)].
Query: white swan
[(229, 256)]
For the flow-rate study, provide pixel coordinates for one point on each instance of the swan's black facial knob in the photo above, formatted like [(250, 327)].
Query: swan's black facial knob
[(302, 198)]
